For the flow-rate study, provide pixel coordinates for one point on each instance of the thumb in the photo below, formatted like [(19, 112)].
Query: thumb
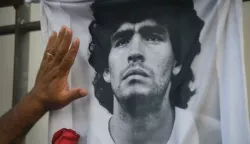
[(77, 93)]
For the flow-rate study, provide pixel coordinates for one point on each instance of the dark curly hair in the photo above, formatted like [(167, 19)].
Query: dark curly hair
[(182, 23)]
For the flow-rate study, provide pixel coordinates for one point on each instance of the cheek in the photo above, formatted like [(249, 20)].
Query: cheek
[(162, 59), (117, 59)]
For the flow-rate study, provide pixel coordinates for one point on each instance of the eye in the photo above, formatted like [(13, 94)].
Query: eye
[(121, 42), (153, 38)]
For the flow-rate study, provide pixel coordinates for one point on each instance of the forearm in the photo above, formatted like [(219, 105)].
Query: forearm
[(51, 89), (17, 122)]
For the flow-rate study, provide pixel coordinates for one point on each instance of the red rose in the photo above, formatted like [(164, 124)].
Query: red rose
[(65, 136)]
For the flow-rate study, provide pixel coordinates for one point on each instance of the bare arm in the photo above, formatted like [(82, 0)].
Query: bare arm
[(16, 123), (51, 90)]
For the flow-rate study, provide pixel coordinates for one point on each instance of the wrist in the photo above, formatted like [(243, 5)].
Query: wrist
[(38, 102)]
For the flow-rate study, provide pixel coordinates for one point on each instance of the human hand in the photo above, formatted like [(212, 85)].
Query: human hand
[(51, 87)]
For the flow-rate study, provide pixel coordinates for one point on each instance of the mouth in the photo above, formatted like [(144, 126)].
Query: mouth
[(135, 72)]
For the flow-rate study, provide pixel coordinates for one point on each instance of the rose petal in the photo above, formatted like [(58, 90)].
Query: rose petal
[(57, 135), (71, 134), (65, 136)]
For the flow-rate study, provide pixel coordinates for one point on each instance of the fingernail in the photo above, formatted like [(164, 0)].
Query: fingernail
[(83, 92), (53, 33), (77, 41), (63, 29), (66, 32), (69, 31)]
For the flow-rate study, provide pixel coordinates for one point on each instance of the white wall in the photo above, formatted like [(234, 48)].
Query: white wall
[(6, 72), (6, 60), (38, 134), (246, 28)]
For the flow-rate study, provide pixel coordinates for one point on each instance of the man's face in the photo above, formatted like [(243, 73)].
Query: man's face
[(140, 61)]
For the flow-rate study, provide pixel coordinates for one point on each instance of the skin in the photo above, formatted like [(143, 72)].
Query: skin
[(142, 112), (50, 92)]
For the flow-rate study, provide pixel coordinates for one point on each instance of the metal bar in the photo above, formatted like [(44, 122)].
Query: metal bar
[(31, 26), (21, 57), (5, 3), (26, 27), (4, 30)]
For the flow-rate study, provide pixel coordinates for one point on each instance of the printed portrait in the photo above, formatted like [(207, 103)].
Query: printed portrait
[(142, 51)]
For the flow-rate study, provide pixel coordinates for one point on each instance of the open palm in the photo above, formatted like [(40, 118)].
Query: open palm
[(51, 87)]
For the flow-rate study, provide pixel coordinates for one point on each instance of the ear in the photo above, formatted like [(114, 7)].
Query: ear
[(106, 76), (176, 70)]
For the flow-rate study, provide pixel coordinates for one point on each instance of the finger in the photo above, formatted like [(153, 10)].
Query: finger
[(83, 92), (69, 58), (64, 47), (51, 41), (53, 47), (46, 57), (76, 93)]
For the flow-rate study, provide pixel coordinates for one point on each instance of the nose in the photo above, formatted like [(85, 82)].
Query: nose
[(136, 52), (136, 57)]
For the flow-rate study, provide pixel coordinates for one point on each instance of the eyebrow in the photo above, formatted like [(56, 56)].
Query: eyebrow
[(156, 29), (143, 31), (122, 34)]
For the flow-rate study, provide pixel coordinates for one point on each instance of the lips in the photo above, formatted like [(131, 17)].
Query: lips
[(135, 72)]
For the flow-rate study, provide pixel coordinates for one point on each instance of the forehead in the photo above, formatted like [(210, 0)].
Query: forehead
[(136, 26)]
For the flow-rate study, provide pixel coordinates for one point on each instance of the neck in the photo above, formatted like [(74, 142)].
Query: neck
[(154, 128)]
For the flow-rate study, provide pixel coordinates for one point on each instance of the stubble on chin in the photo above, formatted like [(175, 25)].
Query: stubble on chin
[(141, 104)]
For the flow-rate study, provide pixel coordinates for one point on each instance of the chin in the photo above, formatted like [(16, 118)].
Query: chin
[(138, 101), (135, 91)]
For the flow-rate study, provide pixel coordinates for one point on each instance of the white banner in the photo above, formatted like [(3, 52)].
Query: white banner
[(157, 71)]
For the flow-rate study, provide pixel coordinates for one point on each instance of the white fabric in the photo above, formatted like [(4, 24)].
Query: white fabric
[(183, 133), (32, 1), (221, 98)]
